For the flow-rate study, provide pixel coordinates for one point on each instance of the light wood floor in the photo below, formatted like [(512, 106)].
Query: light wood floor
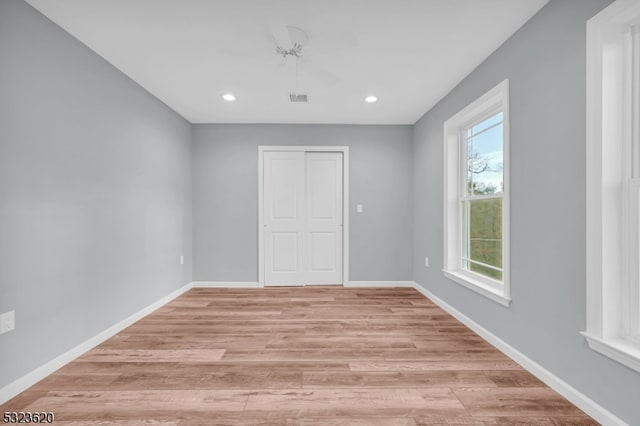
[(297, 356)]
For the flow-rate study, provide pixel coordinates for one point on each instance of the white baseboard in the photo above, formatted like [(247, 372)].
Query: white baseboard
[(30, 379), (253, 284), (380, 284), (580, 400), (226, 284)]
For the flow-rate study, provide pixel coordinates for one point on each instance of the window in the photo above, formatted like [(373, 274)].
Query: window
[(476, 146), (613, 182), (481, 197)]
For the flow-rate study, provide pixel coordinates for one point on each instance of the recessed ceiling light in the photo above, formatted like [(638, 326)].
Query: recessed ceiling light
[(371, 99), (228, 97)]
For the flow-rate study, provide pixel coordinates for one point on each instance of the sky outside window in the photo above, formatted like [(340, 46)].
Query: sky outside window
[(485, 155)]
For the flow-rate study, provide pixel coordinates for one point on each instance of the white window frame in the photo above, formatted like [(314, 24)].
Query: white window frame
[(613, 184), (495, 100)]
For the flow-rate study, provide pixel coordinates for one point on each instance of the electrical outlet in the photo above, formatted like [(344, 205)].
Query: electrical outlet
[(426, 262), (7, 322), (359, 208), (182, 260)]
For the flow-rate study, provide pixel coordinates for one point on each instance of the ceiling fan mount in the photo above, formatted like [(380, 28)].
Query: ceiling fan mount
[(290, 41), (295, 51)]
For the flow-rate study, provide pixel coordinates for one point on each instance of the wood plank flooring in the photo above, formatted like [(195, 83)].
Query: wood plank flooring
[(297, 356)]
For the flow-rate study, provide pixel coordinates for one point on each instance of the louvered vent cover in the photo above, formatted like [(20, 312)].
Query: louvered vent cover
[(298, 97)]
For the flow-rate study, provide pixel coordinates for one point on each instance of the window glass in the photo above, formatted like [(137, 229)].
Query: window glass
[(482, 203), (485, 237), (485, 162)]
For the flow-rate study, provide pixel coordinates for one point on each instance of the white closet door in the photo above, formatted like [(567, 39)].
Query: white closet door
[(324, 214), (284, 218), (303, 211)]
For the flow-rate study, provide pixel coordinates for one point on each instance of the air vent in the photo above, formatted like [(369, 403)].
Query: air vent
[(298, 97)]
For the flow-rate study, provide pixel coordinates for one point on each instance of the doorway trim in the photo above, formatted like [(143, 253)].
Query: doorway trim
[(345, 202)]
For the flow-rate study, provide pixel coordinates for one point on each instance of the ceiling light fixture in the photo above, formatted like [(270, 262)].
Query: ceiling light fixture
[(228, 97), (371, 99)]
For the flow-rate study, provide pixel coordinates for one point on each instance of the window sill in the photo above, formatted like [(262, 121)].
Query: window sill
[(478, 286), (618, 349)]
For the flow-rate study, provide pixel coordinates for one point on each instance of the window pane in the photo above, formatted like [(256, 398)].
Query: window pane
[(485, 158), (485, 236)]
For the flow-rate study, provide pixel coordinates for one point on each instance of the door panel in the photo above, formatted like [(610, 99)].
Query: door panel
[(284, 219), (324, 217), (322, 246), (284, 180), (321, 186), (285, 245)]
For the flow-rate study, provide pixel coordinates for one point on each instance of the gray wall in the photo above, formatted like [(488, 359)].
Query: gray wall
[(545, 63), (95, 204), (225, 194)]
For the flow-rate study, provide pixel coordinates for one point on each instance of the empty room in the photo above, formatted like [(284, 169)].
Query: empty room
[(320, 212)]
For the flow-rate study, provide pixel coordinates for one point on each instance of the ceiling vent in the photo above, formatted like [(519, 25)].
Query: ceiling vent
[(298, 97)]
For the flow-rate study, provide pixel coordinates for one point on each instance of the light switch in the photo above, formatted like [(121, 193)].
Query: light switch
[(359, 208)]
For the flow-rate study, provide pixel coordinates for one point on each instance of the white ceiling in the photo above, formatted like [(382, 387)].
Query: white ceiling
[(410, 53)]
